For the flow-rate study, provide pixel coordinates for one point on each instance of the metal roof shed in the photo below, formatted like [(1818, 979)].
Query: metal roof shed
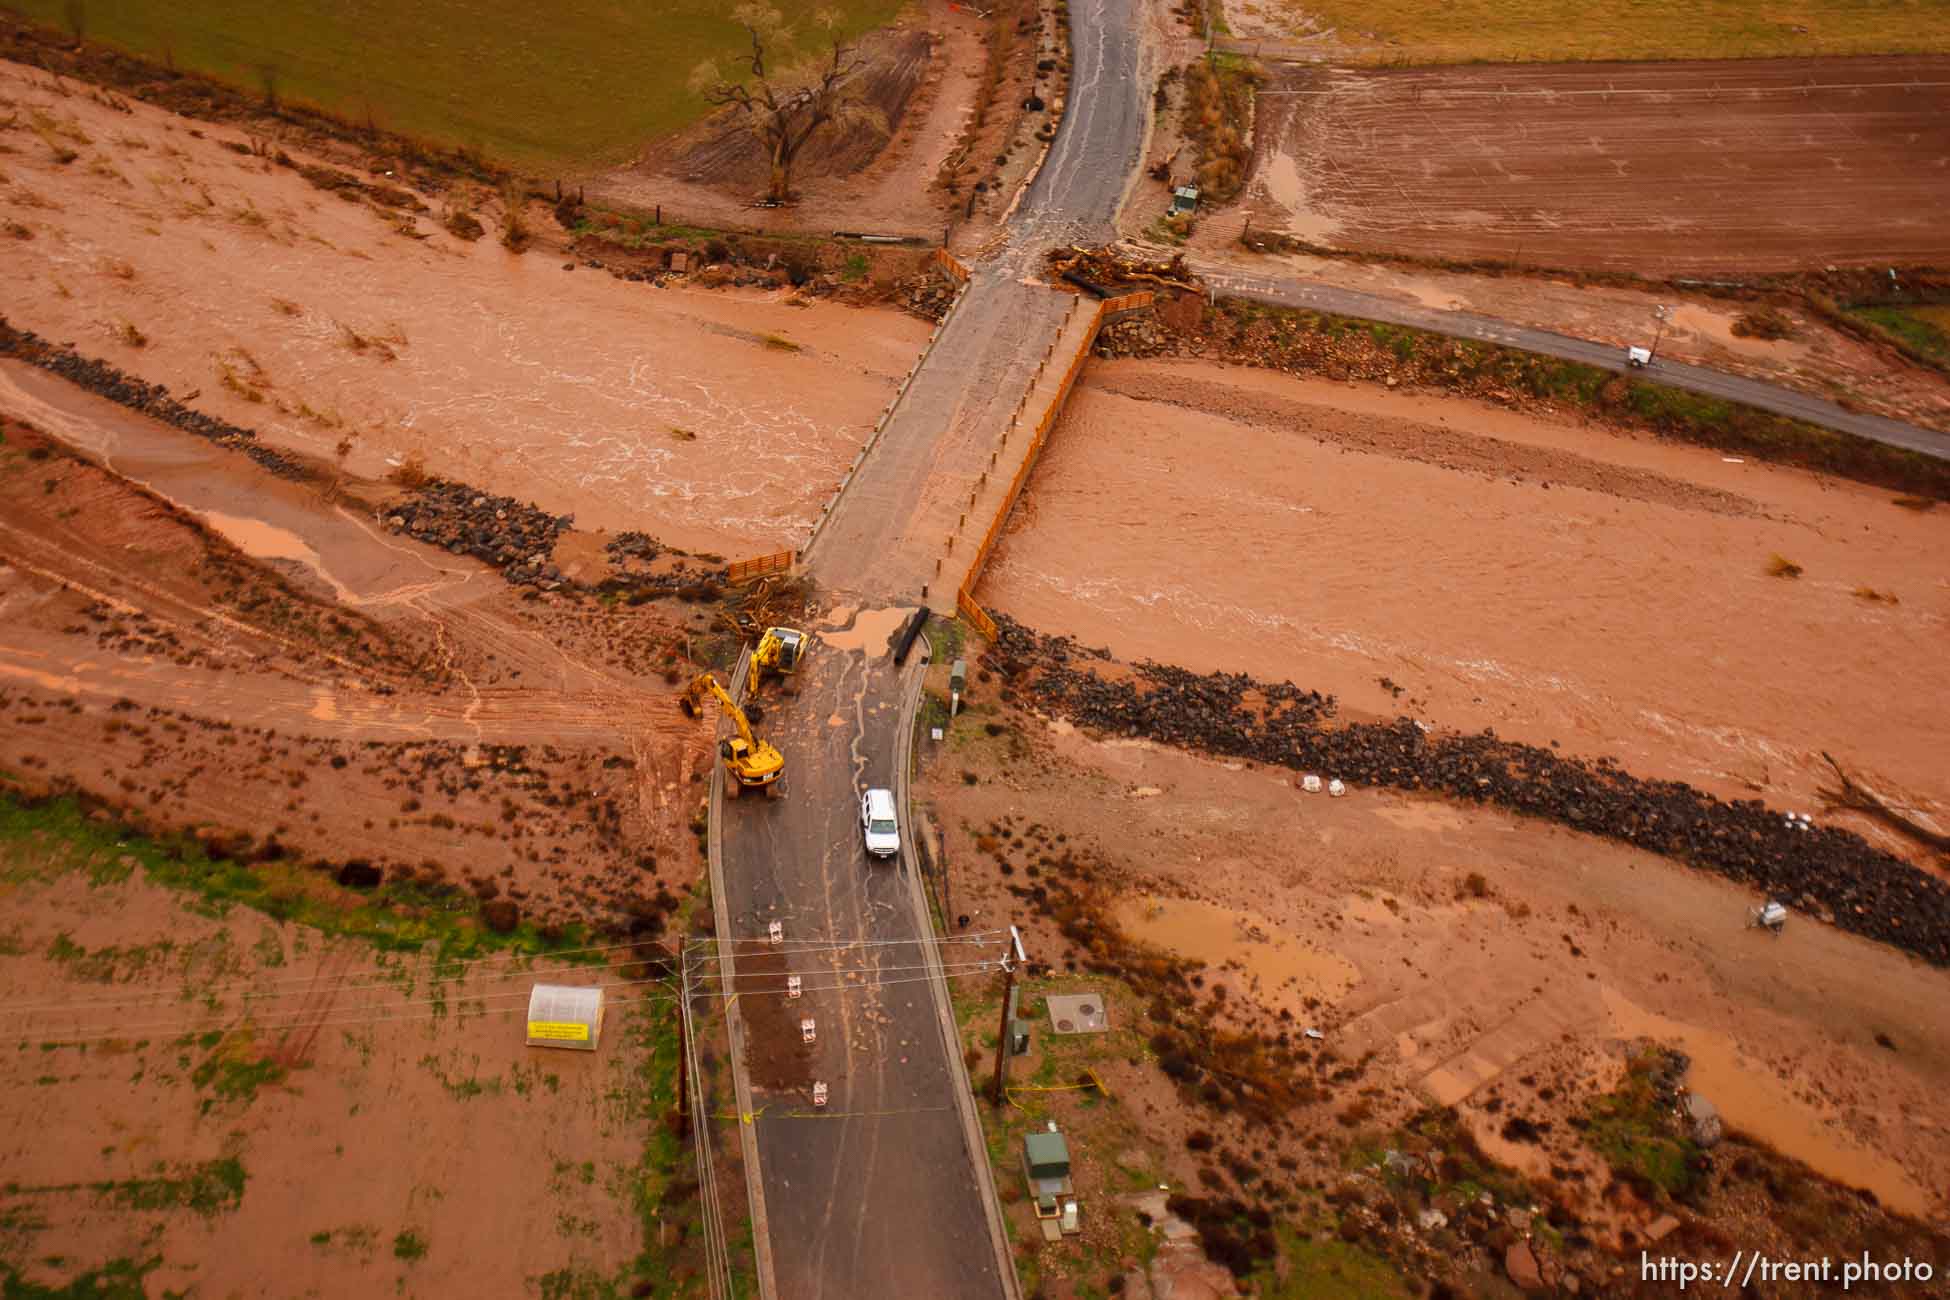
[(565, 1015), (1046, 1167)]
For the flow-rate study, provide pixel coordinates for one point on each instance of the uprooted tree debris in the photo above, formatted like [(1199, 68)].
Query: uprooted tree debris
[(1830, 872), (1106, 270), (1853, 795)]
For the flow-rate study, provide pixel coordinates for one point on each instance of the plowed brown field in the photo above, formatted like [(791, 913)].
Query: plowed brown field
[(1667, 167)]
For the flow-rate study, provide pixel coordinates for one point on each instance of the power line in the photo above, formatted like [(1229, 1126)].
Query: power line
[(297, 1021), (365, 979), (761, 944), (295, 986)]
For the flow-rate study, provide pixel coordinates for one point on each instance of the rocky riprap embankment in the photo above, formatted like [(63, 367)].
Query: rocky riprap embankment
[(1823, 870), (153, 400), (517, 539)]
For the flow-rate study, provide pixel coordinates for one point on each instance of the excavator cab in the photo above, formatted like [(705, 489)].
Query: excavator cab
[(749, 763), (778, 654)]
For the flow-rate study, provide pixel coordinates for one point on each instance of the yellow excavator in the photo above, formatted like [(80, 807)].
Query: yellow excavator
[(778, 654), (751, 763)]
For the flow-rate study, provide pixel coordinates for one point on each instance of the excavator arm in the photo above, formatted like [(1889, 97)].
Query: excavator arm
[(707, 684), (752, 761)]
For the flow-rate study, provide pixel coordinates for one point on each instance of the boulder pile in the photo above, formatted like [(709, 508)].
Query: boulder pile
[(1137, 336), (926, 294), (517, 539), (1828, 872), (153, 400), (627, 546)]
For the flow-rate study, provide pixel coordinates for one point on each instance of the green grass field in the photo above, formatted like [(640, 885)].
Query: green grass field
[(1927, 329), (579, 83), (1495, 31)]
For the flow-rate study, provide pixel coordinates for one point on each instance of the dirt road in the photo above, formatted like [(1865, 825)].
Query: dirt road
[(371, 640), (1359, 915)]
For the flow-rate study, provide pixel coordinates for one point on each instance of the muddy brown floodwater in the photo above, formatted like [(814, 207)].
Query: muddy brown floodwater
[(1634, 615), (716, 421)]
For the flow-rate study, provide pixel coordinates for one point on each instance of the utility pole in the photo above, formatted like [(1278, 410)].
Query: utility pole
[(1664, 314), (997, 1094)]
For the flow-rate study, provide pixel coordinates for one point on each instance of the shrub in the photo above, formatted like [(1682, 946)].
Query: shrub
[(411, 472), (1764, 323)]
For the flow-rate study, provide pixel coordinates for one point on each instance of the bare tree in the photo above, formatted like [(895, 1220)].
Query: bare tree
[(783, 106)]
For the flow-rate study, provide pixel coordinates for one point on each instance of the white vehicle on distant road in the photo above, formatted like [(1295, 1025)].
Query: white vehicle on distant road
[(878, 824)]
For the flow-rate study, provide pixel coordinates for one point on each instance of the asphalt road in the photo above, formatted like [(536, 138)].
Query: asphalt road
[(1751, 392), (890, 524), (885, 1195), (877, 1195)]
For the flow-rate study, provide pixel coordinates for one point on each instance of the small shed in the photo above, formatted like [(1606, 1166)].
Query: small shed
[(565, 1015), (1184, 200), (1046, 1168)]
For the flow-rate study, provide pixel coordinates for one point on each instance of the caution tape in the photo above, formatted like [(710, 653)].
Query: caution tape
[(1095, 1083)]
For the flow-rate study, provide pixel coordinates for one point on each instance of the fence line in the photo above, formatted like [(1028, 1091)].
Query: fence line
[(759, 566), (976, 615)]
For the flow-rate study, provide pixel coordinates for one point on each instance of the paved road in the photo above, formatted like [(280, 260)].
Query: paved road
[(890, 524), (1295, 292), (887, 1197), (879, 1195)]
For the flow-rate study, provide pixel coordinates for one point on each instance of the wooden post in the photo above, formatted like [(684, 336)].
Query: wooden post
[(999, 1092)]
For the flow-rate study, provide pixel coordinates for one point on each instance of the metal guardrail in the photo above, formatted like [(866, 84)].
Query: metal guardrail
[(1105, 309)]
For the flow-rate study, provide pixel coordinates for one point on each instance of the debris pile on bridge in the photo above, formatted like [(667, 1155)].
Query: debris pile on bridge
[(1109, 270), (1826, 871), (927, 294)]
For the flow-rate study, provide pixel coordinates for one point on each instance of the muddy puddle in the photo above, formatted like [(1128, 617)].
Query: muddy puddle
[(264, 518), (262, 541), (1279, 972), (1752, 1099), (869, 631), (1714, 328), (1286, 186)]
